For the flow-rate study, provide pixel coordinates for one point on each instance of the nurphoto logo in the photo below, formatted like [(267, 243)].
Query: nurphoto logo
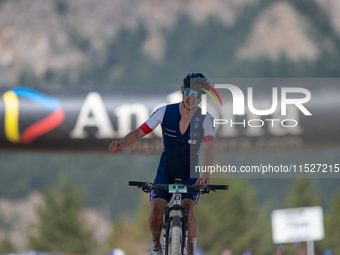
[(238, 103)]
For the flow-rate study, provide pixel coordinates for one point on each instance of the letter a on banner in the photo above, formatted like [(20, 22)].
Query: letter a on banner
[(100, 119)]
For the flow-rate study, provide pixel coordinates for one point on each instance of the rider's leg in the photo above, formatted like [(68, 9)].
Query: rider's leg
[(156, 221), (192, 233)]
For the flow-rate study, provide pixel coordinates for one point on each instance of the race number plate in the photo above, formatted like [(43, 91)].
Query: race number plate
[(173, 188)]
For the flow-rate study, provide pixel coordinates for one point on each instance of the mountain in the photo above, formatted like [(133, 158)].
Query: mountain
[(59, 43)]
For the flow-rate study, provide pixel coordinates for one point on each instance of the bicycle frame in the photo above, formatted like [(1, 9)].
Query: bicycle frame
[(175, 215), (173, 210)]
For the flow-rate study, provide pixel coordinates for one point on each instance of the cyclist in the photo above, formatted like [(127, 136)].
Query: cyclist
[(181, 146)]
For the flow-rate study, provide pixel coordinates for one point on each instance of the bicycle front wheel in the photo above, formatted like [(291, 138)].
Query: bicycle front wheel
[(175, 241)]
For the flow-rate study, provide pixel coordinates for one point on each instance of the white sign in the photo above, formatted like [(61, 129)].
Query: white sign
[(297, 225)]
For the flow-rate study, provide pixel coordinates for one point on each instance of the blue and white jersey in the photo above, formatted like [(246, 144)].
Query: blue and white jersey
[(180, 151)]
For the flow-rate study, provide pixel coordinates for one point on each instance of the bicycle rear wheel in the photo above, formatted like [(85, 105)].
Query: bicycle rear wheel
[(175, 241)]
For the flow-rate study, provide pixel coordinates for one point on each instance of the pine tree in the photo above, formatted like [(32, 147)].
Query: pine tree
[(120, 236), (232, 220), (332, 226), (302, 193), (127, 232), (61, 227), (6, 245)]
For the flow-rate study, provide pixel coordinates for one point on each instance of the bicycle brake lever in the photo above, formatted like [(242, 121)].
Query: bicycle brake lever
[(146, 188), (205, 191)]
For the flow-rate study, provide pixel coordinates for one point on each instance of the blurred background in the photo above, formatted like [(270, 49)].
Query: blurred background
[(78, 202)]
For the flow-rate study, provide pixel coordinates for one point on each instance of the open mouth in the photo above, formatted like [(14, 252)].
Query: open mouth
[(189, 102)]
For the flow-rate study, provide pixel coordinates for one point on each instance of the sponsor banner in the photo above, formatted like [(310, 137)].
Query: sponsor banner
[(250, 114)]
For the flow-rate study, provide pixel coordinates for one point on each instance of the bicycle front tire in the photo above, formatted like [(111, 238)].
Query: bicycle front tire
[(175, 235)]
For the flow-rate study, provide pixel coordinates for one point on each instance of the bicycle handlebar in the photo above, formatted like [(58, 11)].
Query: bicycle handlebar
[(197, 187), (223, 187), (133, 183)]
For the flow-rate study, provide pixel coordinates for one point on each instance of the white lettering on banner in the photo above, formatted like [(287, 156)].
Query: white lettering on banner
[(94, 105), (174, 97), (94, 114), (124, 114)]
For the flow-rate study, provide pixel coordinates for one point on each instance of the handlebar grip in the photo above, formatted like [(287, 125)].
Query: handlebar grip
[(139, 184), (225, 187)]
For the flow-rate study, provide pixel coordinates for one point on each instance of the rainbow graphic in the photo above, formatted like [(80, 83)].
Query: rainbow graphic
[(212, 89), (11, 101)]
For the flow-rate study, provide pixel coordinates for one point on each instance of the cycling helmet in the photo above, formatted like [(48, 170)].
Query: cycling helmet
[(196, 81)]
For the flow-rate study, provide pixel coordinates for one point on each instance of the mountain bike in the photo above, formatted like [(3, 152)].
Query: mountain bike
[(175, 230)]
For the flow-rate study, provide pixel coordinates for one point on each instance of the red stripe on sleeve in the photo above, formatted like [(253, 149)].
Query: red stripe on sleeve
[(145, 128), (209, 138)]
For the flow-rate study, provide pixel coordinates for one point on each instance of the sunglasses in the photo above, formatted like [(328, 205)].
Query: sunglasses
[(190, 92)]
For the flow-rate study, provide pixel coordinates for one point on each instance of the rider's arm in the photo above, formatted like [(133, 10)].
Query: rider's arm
[(132, 137), (129, 139)]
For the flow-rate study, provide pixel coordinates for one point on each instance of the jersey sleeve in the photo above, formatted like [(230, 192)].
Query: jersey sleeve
[(209, 129), (155, 119)]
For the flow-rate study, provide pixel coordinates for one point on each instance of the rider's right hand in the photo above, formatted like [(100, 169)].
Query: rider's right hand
[(114, 146)]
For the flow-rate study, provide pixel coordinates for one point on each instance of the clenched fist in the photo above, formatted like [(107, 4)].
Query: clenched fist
[(114, 146)]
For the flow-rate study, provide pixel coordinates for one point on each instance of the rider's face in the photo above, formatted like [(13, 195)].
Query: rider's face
[(189, 102)]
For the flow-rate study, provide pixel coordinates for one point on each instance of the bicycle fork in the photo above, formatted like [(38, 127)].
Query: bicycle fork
[(185, 229), (166, 231), (176, 211)]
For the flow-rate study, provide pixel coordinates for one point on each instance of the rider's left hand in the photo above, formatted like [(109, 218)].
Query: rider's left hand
[(202, 181)]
